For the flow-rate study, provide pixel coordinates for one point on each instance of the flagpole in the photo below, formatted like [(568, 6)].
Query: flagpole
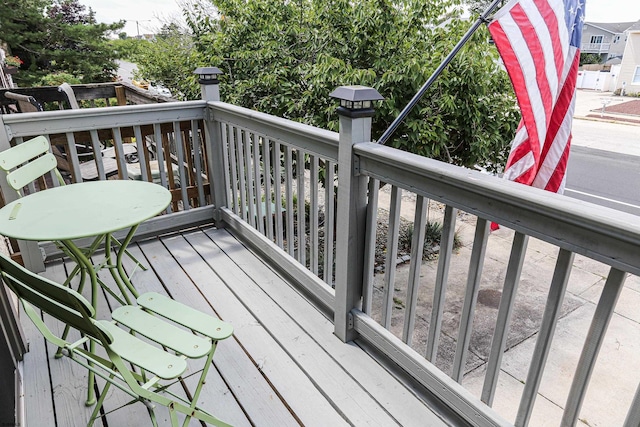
[(482, 19)]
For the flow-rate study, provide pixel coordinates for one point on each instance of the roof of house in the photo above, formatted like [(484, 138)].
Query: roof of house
[(613, 27), (634, 27)]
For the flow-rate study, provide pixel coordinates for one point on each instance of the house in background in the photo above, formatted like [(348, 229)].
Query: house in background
[(628, 80), (605, 39), (618, 45)]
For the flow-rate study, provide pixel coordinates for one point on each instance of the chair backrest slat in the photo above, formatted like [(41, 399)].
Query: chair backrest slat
[(58, 301), (31, 171), (22, 153), (28, 161)]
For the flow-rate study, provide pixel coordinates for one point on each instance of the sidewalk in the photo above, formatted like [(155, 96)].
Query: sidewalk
[(617, 109), (613, 384)]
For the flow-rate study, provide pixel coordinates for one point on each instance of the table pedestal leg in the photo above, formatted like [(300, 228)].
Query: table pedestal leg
[(86, 263), (119, 275)]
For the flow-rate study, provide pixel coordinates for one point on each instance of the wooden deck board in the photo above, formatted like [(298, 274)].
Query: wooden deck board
[(383, 388), (345, 394), (272, 361), (37, 376), (283, 365)]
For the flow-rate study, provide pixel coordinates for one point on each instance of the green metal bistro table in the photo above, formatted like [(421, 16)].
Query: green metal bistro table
[(89, 209)]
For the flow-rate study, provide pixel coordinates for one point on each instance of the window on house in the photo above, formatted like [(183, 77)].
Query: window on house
[(596, 39), (636, 76)]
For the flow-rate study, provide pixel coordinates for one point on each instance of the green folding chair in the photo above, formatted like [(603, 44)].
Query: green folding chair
[(180, 332), (27, 162)]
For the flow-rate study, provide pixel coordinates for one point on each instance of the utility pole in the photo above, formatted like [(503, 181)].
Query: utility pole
[(138, 23)]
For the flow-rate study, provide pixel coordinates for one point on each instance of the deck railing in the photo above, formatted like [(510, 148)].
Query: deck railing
[(308, 200), (163, 143)]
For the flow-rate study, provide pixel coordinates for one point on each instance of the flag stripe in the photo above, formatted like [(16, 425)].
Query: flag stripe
[(539, 42)]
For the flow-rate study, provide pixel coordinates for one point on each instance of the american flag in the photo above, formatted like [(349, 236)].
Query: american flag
[(539, 42)]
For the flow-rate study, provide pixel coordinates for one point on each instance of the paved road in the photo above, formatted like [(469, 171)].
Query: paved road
[(604, 166), (605, 178), (616, 137)]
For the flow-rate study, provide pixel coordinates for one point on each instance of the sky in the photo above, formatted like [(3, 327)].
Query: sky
[(147, 12)]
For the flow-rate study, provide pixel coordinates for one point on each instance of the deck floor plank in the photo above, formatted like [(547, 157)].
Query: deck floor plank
[(272, 361), (283, 366), (68, 379), (331, 379), (37, 376), (254, 393), (386, 389), (215, 396)]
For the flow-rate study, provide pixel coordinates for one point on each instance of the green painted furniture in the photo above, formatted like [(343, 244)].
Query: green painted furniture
[(175, 334), (32, 159)]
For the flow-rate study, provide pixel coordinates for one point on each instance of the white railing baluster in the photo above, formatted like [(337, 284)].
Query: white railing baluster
[(595, 338), (507, 302), (120, 159), (417, 251), (257, 183), (249, 143), (244, 210), (370, 245), (236, 191), (329, 221), (196, 147), (277, 195), (227, 149), (313, 215), (470, 298), (268, 191), (143, 153), (97, 154), (184, 180), (288, 173), (72, 156), (545, 336), (301, 206), (392, 256), (447, 238)]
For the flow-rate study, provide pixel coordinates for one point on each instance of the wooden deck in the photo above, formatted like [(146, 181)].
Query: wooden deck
[(282, 367)]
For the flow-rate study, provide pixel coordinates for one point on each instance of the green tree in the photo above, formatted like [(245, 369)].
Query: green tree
[(284, 57), (169, 61), (59, 36), (590, 58)]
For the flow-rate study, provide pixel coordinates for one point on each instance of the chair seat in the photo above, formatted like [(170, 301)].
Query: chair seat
[(158, 330), (153, 359), (184, 315)]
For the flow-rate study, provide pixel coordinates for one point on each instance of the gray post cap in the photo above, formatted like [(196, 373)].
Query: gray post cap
[(356, 93), (208, 75)]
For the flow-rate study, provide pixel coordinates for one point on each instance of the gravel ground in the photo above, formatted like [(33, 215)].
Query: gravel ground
[(629, 107)]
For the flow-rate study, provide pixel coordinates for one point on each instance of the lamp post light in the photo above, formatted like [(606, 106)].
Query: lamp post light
[(356, 101), (209, 83)]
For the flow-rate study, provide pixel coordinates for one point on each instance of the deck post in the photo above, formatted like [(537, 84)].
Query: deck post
[(210, 89), (355, 126)]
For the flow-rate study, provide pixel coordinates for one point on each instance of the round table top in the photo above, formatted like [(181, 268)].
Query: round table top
[(82, 210)]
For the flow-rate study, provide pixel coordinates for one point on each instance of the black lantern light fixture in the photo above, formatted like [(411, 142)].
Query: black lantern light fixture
[(356, 101), (208, 75)]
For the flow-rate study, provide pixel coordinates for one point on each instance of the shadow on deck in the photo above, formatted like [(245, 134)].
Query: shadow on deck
[(283, 366)]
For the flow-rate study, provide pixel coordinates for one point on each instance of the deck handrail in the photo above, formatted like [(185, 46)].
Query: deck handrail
[(554, 218)]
